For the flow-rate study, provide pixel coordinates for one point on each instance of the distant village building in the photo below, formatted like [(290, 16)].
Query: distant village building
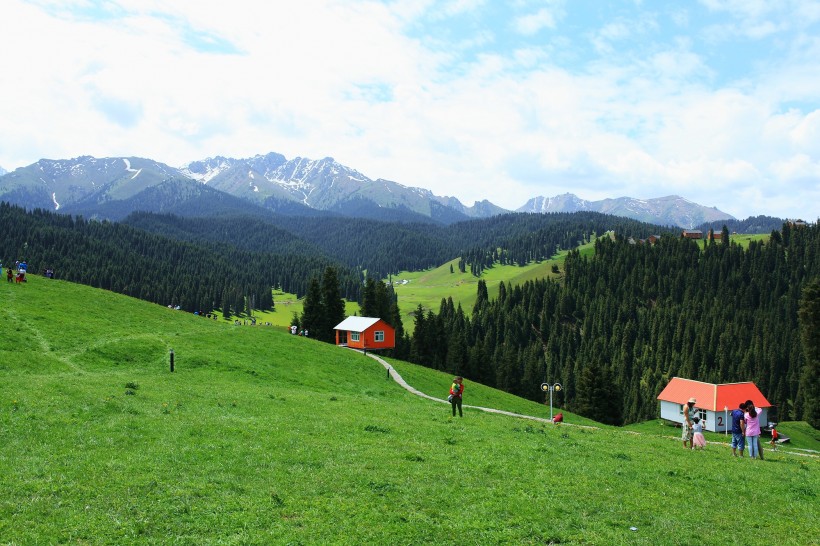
[(365, 333), (714, 402), (692, 234)]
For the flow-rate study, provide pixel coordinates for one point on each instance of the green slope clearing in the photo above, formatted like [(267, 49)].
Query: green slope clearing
[(259, 437)]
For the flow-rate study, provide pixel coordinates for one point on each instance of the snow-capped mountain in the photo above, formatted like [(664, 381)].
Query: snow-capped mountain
[(52, 184), (567, 202), (98, 187), (323, 184), (669, 210)]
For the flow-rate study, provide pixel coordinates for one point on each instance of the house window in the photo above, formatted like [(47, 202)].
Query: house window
[(378, 336), (697, 413), (354, 336)]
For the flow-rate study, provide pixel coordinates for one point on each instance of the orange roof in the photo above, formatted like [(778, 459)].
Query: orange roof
[(713, 397)]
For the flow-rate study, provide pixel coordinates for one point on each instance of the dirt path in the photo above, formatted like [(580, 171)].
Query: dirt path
[(400, 380)]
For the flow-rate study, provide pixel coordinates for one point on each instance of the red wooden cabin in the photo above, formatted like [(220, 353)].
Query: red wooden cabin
[(365, 333)]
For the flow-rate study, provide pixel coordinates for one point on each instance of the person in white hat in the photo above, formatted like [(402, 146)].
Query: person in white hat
[(688, 412)]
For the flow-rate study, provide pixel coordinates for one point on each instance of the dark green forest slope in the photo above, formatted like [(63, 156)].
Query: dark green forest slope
[(619, 325), (383, 248), (194, 275)]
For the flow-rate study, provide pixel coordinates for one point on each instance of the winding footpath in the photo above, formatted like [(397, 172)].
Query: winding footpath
[(400, 380)]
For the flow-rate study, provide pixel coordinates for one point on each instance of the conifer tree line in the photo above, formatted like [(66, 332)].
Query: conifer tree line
[(324, 309), (196, 276), (618, 326), (385, 248)]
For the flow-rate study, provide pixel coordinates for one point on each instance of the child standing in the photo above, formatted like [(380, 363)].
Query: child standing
[(697, 433), (775, 436)]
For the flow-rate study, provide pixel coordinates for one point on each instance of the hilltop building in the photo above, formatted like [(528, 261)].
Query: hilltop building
[(365, 333), (714, 402)]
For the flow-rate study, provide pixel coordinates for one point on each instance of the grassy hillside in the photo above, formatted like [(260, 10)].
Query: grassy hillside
[(427, 288), (260, 437)]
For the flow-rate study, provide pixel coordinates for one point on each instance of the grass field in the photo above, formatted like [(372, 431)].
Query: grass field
[(259, 437)]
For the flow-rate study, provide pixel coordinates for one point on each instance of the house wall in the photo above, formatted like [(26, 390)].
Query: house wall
[(367, 339), (671, 412), (716, 421)]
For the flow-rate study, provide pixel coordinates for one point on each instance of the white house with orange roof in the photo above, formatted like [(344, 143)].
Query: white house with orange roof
[(714, 402)]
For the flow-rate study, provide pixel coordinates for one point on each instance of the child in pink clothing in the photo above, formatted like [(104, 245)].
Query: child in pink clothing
[(698, 440)]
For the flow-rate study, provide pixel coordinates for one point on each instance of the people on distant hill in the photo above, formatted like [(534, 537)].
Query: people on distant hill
[(293, 329), (688, 412), (9, 275), (698, 440), (456, 393), (738, 430), (752, 430)]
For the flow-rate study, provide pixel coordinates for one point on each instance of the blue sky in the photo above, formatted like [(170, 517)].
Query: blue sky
[(716, 101)]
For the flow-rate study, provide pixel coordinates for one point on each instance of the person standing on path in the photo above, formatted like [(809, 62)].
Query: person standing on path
[(688, 413), (752, 430), (738, 430), (456, 392), (750, 404)]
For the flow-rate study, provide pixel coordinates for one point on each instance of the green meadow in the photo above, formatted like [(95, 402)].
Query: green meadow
[(260, 437)]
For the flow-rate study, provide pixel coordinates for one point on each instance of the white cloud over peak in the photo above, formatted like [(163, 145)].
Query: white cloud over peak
[(467, 98)]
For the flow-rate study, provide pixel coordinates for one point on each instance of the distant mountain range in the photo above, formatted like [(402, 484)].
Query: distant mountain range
[(113, 187), (672, 210)]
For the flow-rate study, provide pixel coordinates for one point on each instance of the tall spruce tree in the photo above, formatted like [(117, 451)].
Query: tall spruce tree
[(333, 305), (809, 314), (313, 311)]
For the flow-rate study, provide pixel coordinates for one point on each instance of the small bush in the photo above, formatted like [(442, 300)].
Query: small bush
[(376, 428)]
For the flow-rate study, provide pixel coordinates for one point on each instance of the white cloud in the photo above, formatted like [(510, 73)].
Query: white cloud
[(182, 81), (533, 23)]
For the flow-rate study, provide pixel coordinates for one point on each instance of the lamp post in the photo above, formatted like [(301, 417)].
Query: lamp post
[(726, 422), (551, 387)]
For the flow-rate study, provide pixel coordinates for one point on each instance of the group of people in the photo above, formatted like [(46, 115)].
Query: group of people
[(294, 330), (745, 429), (692, 427), (21, 272)]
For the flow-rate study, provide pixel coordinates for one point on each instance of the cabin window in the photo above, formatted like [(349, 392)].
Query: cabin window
[(697, 413), (354, 336), (378, 336)]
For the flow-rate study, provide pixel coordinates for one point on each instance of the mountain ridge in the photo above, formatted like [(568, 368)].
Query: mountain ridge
[(669, 210), (98, 186)]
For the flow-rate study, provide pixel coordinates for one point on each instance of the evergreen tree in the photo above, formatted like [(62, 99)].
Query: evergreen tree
[(810, 334), (313, 311), (333, 306)]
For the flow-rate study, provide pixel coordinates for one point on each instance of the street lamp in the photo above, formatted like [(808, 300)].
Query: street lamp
[(726, 420), (551, 387)]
